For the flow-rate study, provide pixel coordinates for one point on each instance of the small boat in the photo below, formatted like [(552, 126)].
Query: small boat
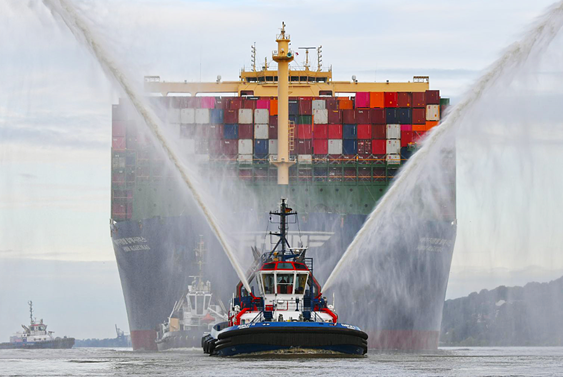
[(193, 315), (36, 336), (289, 315)]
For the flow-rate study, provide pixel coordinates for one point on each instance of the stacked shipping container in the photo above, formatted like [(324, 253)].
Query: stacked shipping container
[(359, 138)]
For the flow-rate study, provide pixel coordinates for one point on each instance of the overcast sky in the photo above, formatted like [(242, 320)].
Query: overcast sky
[(55, 117)]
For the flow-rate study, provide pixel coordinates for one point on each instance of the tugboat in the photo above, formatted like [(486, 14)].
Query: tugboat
[(36, 336), (289, 315), (193, 315)]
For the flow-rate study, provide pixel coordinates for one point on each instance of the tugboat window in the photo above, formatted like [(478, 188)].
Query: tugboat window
[(199, 304), (285, 283), (301, 283), (268, 280)]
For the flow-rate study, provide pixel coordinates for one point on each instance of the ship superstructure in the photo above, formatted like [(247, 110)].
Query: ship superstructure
[(345, 143)]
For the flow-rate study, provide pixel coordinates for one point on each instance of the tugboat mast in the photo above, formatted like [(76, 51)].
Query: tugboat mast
[(283, 213), (30, 303)]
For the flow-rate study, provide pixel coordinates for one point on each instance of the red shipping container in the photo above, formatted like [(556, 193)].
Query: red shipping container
[(377, 116), (230, 116), (118, 177), (304, 131), (331, 104), (320, 146), (118, 143), (417, 135), (246, 131), (320, 131), (362, 100), (419, 116), (305, 147), (249, 104), (263, 104), (406, 127), (229, 147), (220, 103), (379, 147), (364, 131), (362, 116), (305, 106), (432, 97), (234, 103), (273, 120), (349, 116), (207, 103), (379, 131), (391, 99), (418, 99), (335, 131), (364, 147), (272, 131), (334, 117), (406, 138), (118, 128), (404, 99), (215, 131)]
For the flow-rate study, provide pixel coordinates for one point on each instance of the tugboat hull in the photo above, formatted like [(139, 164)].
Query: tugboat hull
[(59, 343), (180, 339), (273, 336)]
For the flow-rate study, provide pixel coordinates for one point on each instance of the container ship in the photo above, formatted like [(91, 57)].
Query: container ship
[(333, 146)]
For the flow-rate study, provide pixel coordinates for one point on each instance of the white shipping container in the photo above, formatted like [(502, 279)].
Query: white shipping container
[(319, 104), (393, 131), (273, 146), (188, 146), (187, 116), (393, 159), (202, 116), (245, 146), (245, 116), (245, 158), (261, 131), (261, 116), (432, 112), (335, 146), (393, 147), (320, 116), (305, 158), (173, 115)]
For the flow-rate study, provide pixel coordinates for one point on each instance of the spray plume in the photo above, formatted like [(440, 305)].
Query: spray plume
[(537, 38), (79, 28)]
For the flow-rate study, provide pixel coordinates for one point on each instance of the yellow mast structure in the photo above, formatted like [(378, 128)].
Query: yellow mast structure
[(283, 56)]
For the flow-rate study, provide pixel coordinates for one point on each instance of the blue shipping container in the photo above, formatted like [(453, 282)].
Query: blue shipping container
[(293, 108), (391, 116), (349, 131), (260, 147), (230, 132), (293, 118), (350, 147), (405, 115), (216, 116)]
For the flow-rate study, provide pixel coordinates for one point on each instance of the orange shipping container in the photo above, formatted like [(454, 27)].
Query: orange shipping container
[(273, 107), (431, 124), (424, 127), (345, 103), (376, 100)]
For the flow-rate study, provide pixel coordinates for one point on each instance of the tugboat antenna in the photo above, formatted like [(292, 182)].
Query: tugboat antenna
[(283, 213)]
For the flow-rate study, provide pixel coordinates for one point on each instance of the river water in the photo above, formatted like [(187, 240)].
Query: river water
[(513, 361)]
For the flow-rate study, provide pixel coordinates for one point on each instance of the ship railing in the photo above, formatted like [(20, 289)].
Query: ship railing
[(259, 318)]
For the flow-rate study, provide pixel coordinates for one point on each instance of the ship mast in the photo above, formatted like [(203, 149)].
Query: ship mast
[(283, 213), (283, 56), (30, 303)]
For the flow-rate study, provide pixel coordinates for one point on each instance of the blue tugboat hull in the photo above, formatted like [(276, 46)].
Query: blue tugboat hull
[(309, 337)]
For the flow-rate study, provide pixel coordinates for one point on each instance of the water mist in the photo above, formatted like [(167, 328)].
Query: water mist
[(404, 248), (84, 34)]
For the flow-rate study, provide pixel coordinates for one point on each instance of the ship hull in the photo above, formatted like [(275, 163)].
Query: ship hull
[(181, 339), (154, 263), (59, 343)]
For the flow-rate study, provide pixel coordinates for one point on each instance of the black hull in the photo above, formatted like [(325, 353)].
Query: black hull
[(180, 339), (271, 338), (59, 343)]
